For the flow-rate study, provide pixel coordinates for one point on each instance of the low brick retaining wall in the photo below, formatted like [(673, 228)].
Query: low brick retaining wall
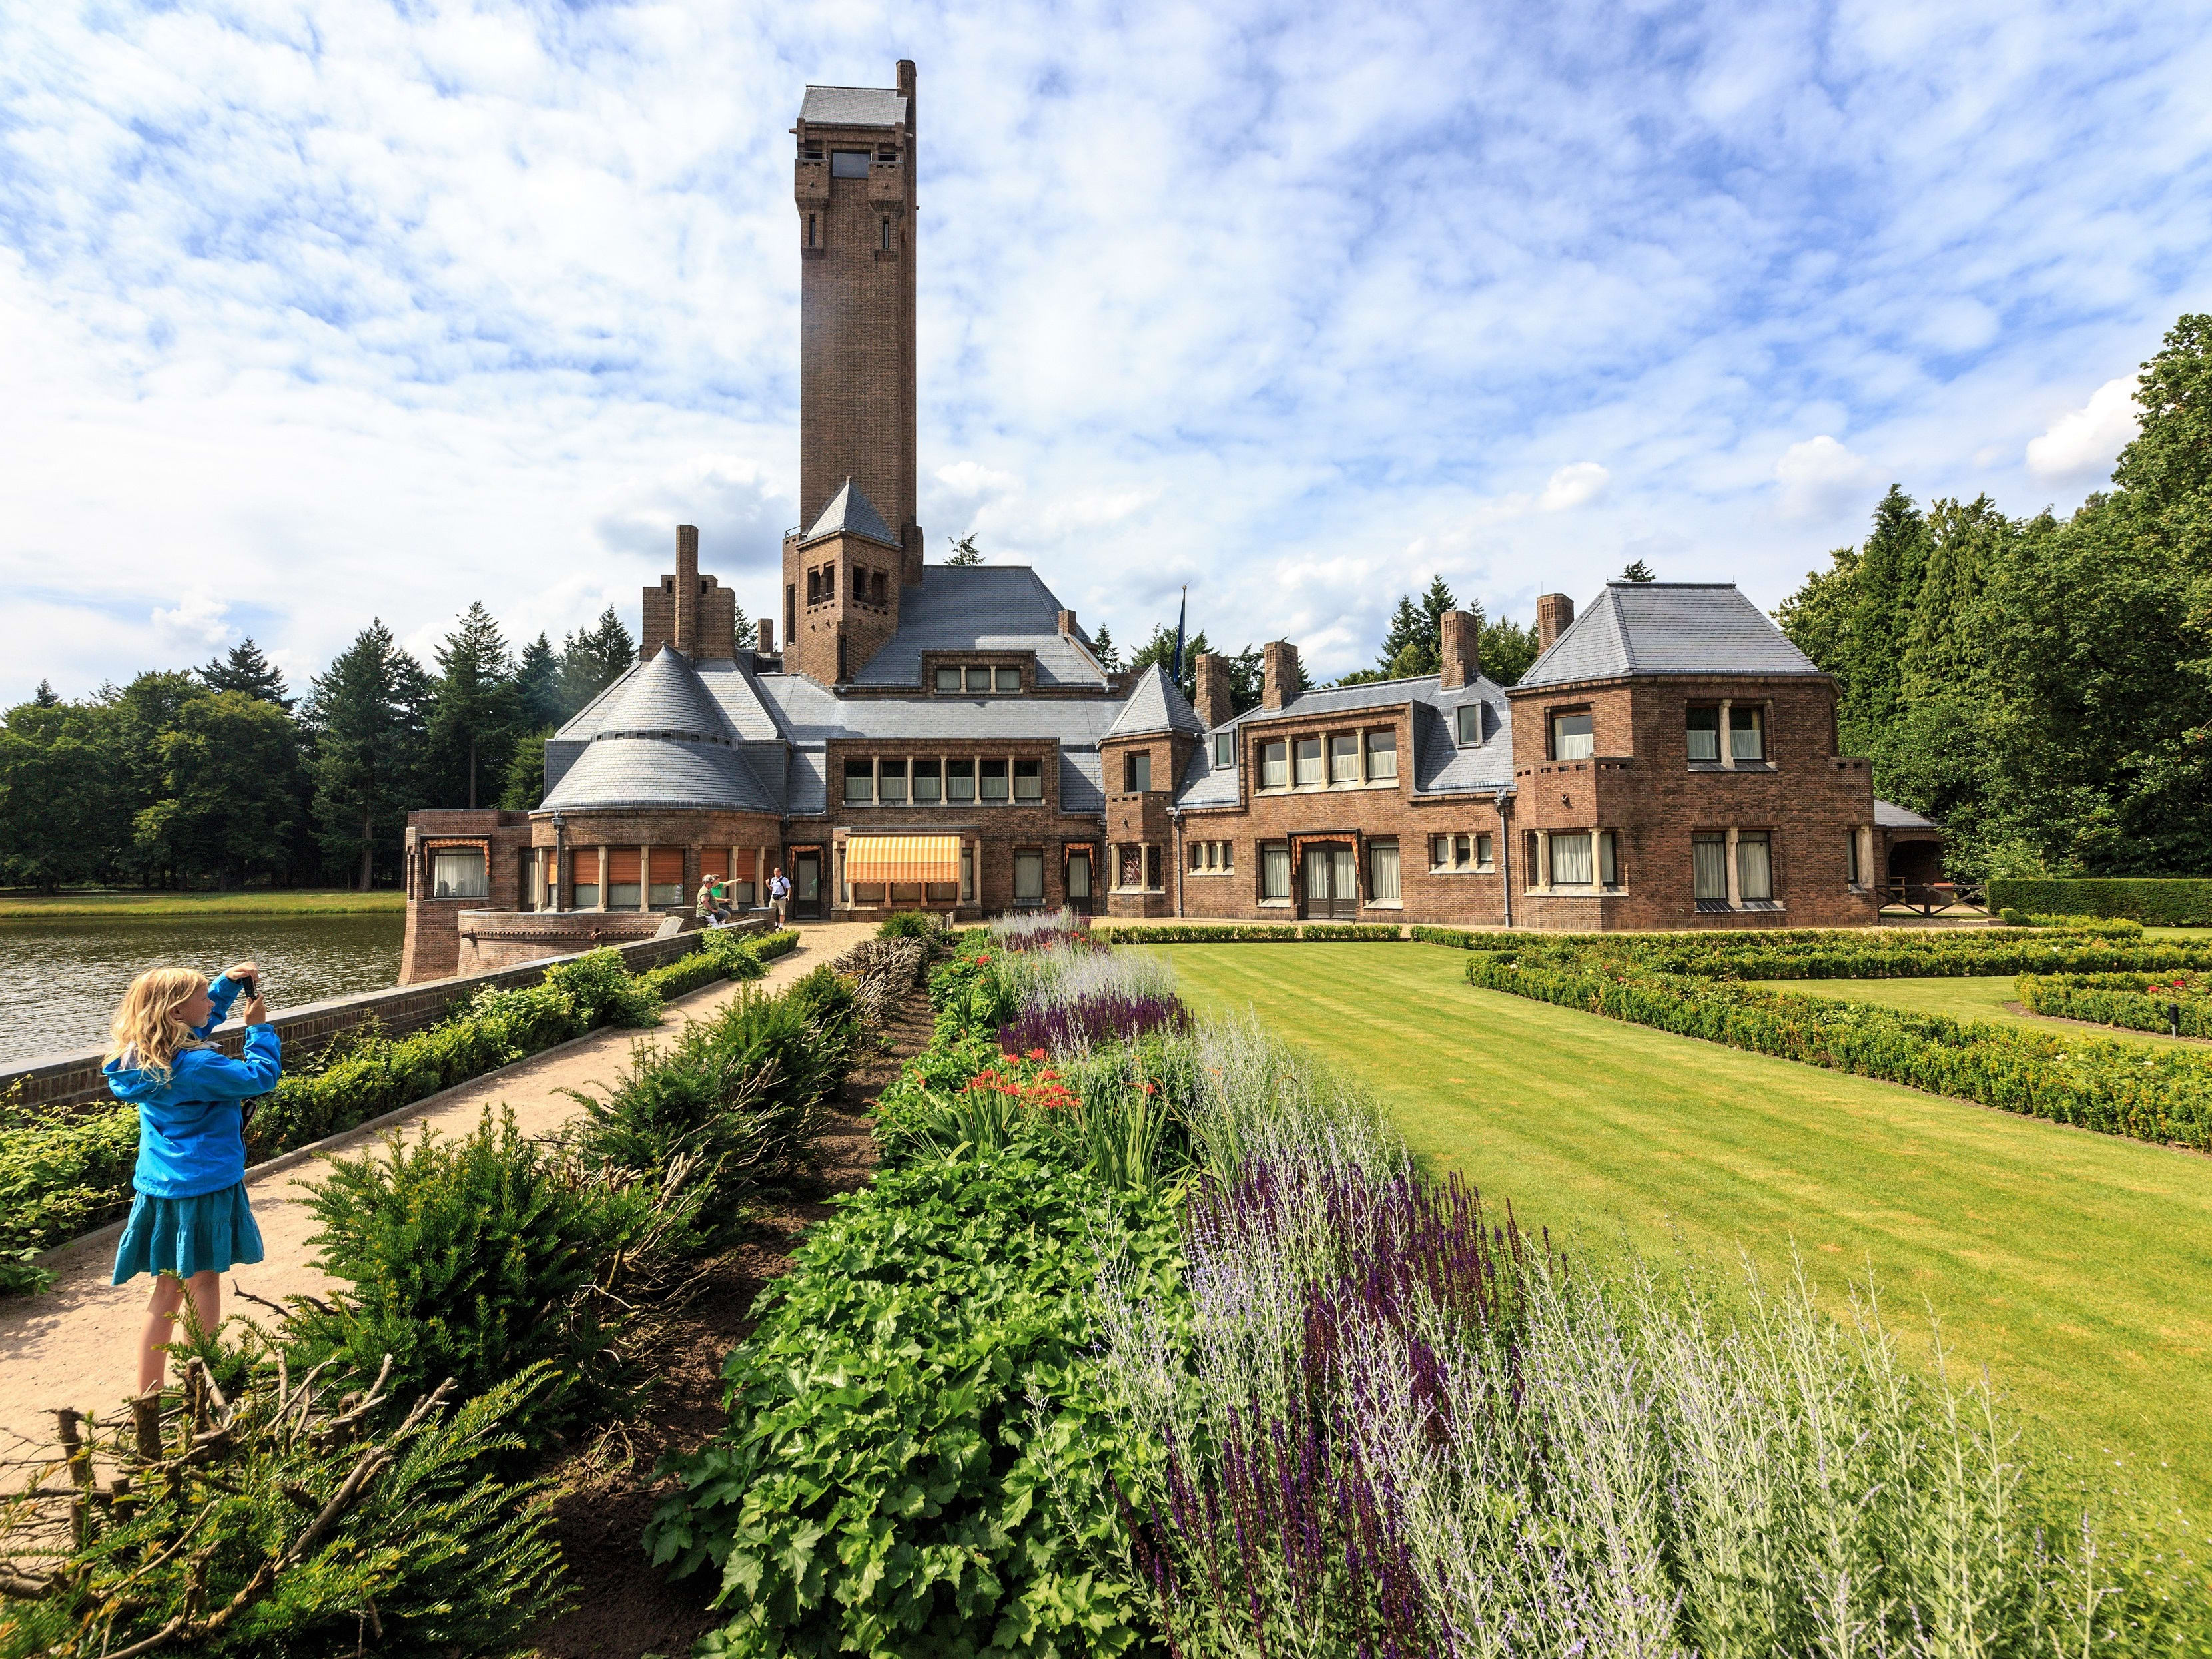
[(73, 1079)]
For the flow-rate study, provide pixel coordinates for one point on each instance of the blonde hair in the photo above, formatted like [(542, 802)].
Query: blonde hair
[(149, 1030)]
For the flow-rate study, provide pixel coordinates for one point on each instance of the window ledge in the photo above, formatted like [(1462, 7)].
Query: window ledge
[(1384, 904), (1276, 904)]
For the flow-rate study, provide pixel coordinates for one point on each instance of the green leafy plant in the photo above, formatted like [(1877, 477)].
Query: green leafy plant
[(2161, 902)]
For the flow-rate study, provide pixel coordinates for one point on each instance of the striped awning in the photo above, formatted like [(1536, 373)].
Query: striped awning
[(903, 858)]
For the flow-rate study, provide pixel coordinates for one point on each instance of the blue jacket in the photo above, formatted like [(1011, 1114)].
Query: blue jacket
[(191, 1136)]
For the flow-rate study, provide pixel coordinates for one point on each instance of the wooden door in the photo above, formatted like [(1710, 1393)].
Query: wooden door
[(1331, 884), (1079, 882)]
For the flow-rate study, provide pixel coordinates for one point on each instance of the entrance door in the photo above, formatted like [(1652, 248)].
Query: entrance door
[(806, 885), (1331, 884), (1079, 882)]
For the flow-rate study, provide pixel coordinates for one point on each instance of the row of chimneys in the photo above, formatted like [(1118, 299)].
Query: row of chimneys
[(1459, 648)]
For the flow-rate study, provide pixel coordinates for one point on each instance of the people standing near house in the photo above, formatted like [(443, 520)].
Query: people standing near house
[(779, 894), (709, 909), (189, 1220)]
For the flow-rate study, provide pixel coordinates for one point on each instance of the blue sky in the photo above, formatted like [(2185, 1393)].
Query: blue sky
[(310, 312)]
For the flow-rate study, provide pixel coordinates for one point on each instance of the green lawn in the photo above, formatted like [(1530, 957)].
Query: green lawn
[(303, 901), (1983, 997), (2076, 1267)]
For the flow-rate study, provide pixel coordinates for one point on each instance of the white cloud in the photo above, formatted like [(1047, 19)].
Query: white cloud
[(2084, 442), (1820, 478), (973, 478), (1571, 486), (197, 620)]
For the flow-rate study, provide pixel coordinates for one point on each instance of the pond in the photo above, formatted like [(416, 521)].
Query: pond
[(60, 979)]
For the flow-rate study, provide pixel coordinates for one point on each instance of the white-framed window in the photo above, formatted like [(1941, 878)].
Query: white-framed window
[(1466, 724), (457, 872), (1137, 771), (1224, 749), (1029, 876), (1344, 757), (994, 782), (928, 782), (1440, 852), (1309, 762), (1382, 757), (1747, 735), (1483, 857), (860, 782), (1754, 866), (890, 782), (1570, 858), (1609, 860), (1382, 872), (1274, 765), (960, 785), (948, 679), (1704, 732), (1275, 871), (1028, 782), (1708, 867), (1573, 736)]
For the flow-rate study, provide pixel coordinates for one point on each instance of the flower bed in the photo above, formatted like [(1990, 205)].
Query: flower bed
[(2128, 1001)]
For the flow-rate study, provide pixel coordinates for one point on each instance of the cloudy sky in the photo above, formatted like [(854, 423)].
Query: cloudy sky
[(310, 312)]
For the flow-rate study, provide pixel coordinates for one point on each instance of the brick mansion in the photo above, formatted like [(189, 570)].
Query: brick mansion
[(903, 735)]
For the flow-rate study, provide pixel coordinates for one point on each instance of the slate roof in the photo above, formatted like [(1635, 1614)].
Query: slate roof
[(1155, 703), (1669, 627), (982, 607), (1440, 764), (657, 737), (1888, 814), (850, 513), (853, 106)]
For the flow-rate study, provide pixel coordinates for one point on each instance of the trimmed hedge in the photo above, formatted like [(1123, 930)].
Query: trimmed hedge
[(2092, 1083), (1845, 953), (2179, 901), (1198, 934), (2121, 999)]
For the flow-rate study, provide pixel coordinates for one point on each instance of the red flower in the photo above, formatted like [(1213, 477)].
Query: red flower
[(1039, 1054), (1148, 1088)]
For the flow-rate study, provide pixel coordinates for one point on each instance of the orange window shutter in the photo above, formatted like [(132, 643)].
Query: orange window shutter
[(621, 867), (714, 863), (748, 866)]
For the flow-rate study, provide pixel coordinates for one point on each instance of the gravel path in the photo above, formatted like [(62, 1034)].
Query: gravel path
[(76, 1345)]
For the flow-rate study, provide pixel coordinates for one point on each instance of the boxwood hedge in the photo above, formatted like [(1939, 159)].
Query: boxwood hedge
[(2163, 902)]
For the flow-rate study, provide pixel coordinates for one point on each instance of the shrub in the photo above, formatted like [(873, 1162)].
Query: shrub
[(60, 1175), (974, 989), (1343, 932), (2110, 927), (917, 1450), (722, 954), (910, 924), (1198, 934), (2123, 999), (2180, 902), (472, 1257)]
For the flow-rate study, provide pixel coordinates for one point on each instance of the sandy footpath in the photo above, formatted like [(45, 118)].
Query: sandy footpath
[(76, 1344)]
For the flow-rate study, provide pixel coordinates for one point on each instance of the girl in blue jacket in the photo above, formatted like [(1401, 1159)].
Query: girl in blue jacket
[(189, 1220)]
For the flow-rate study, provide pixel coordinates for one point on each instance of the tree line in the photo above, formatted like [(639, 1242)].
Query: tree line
[(2042, 686), (218, 775)]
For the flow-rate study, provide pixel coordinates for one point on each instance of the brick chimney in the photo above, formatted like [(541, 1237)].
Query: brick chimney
[(1212, 699), (1555, 614), (764, 636), (1460, 649), (687, 589), (1280, 679), (1068, 624)]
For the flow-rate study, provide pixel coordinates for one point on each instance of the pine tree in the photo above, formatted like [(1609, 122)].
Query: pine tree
[(474, 710), (1639, 572), (594, 659), (367, 709), (248, 670), (1102, 646), (741, 629), (538, 684), (44, 697), (524, 785), (1885, 589), (1401, 641), (1508, 649), (1434, 602), (1160, 648), (963, 551)]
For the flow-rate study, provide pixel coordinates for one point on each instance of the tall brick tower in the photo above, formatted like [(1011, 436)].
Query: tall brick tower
[(855, 186)]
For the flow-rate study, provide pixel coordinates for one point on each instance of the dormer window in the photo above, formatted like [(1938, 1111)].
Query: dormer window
[(1224, 749), (1468, 723), (948, 679)]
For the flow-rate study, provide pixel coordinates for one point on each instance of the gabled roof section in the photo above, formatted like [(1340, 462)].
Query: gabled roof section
[(852, 106), (1888, 814), (981, 607), (1669, 627), (1155, 703), (850, 513)]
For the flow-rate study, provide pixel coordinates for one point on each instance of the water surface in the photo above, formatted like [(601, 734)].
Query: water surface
[(61, 979)]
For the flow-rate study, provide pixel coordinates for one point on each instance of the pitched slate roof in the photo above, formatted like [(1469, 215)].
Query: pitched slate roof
[(1888, 814), (850, 513), (658, 736), (852, 106), (1155, 703), (1669, 627), (982, 607)]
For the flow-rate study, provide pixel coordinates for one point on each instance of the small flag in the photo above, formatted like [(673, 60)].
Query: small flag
[(1180, 616)]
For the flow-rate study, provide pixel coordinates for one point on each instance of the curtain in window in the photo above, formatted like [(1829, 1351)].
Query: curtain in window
[(1382, 870), (1571, 860), (1275, 872), (1317, 876), (457, 874), (1029, 877), (1754, 867), (1746, 740), (1344, 757), (1704, 734), (1709, 863), (1381, 756)]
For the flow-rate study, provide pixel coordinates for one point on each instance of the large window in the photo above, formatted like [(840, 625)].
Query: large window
[(457, 872), (1275, 871), (1704, 734), (1570, 859), (994, 780), (1382, 872), (1344, 757), (1224, 749), (1137, 771), (860, 782), (1028, 782), (1572, 737), (1754, 867), (1274, 765), (1708, 868), (928, 782), (1029, 877), (890, 782), (625, 876), (1747, 734), (1382, 757), (960, 782), (1309, 760)]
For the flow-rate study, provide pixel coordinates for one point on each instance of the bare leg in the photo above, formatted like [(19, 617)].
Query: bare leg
[(160, 1315)]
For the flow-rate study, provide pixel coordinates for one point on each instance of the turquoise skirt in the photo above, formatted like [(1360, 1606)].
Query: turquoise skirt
[(187, 1236)]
